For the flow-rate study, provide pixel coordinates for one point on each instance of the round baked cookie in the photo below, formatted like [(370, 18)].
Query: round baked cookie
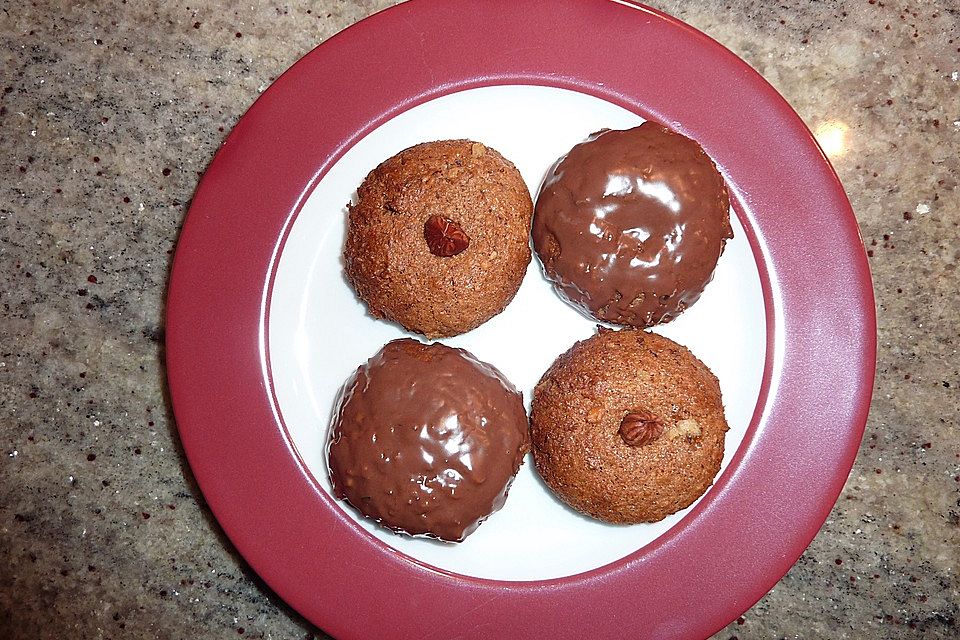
[(629, 225), (628, 426), (438, 239), (427, 439)]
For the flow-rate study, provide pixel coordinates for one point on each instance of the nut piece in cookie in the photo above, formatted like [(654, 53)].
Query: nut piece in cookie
[(628, 426), (438, 239)]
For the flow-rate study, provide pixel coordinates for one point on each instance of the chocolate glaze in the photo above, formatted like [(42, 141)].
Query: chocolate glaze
[(426, 439), (629, 225)]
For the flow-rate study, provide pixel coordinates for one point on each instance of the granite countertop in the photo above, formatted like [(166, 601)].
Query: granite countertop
[(109, 112)]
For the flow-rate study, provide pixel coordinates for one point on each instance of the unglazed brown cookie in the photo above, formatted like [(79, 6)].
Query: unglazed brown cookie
[(427, 439), (628, 426), (629, 225), (438, 239)]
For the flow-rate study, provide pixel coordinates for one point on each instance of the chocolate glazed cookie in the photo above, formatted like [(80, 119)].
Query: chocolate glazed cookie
[(629, 225), (628, 426), (427, 440), (438, 239)]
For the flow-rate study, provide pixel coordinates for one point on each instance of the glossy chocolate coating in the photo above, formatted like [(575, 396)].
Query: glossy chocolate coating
[(629, 225), (426, 439)]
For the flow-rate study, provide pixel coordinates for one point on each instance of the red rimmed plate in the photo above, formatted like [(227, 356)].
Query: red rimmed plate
[(261, 326)]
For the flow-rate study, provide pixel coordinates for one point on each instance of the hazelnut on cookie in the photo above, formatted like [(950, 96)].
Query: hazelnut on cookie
[(628, 426), (438, 239)]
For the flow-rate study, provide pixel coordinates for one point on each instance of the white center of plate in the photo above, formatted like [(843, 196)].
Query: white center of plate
[(319, 332)]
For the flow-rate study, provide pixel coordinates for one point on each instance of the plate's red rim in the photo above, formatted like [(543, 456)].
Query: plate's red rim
[(821, 323)]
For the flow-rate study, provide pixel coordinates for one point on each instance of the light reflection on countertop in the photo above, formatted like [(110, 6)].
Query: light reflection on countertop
[(831, 135)]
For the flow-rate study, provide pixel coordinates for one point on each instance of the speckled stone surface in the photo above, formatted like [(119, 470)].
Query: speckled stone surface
[(109, 111)]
